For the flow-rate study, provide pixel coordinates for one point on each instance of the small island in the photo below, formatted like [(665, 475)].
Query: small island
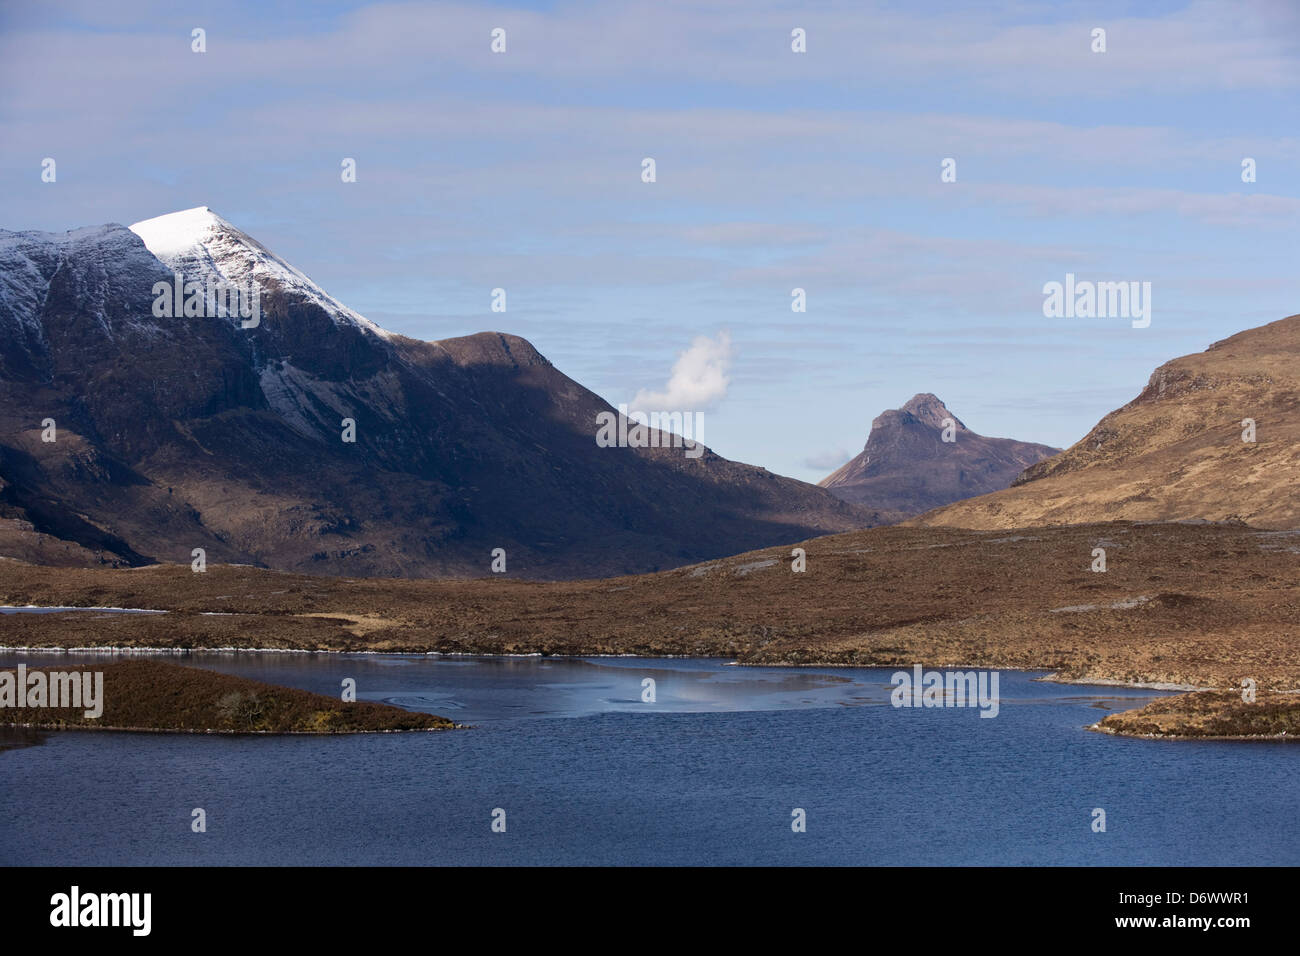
[(151, 695), (1211, 715)]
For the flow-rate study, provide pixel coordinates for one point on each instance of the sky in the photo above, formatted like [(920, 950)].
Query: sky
[(775, 170)]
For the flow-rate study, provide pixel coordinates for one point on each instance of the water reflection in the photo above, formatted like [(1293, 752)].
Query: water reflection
[(484, 689), (11, 738)]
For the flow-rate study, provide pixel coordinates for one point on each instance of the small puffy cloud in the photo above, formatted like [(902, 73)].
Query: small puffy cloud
[(699, 377)]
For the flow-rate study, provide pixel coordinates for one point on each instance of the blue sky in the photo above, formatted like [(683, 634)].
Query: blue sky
[(775, 170)]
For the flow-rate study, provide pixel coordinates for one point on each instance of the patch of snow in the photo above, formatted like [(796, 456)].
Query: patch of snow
[(199, 243), (104, 256)]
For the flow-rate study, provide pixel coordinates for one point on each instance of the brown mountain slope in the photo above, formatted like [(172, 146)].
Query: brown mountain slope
[(906, 467), (1175, 452)]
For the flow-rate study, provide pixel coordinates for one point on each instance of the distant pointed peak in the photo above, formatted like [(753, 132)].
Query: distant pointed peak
[(929, 409), (923, 401), (923, 398)]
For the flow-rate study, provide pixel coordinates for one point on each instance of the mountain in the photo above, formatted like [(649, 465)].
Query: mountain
[(907, 467), (1176, 452), (174, 432)]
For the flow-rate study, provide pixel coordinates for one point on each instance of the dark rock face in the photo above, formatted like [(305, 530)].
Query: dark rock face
[(907, 468), (179, 433)]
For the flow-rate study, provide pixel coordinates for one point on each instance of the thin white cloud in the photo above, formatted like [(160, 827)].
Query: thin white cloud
[(1209, 45)]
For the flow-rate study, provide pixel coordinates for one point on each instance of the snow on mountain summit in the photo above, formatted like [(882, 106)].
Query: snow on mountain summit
[(199, 244), (179, 232)]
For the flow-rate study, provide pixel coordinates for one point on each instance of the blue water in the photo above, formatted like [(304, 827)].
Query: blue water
[(709, 774)]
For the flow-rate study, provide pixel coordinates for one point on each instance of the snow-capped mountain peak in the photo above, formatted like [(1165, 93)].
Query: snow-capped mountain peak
[(180, 232), (199, 244)]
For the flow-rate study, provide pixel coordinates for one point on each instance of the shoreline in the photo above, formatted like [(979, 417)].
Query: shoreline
[(1132, 685), (1282, 737), (883, 598), (1177, 694), (1050, 677), (212, 732)]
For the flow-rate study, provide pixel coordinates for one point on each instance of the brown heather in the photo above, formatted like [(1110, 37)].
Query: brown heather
[(154, 695), (1221, 714), (1199, 605)]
